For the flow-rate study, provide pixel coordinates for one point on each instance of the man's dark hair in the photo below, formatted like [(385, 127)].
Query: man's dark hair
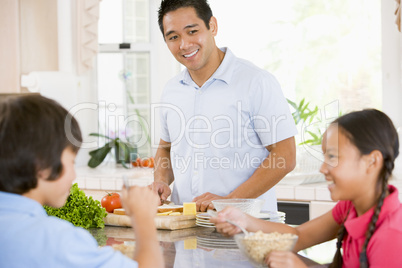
[(202, 9), (34, 131)]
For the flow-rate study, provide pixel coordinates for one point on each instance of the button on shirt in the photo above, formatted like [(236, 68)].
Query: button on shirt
[(219, 131), (385, 246), (30, 238)]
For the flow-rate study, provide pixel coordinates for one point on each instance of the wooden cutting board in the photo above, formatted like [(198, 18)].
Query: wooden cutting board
[(161, 222)]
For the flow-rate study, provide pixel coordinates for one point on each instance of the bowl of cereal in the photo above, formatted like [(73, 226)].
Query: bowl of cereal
[(256, 246), (250, 206)]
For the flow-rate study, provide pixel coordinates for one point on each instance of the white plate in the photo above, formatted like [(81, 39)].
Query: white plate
[(204, 225), (216, 246), (271, 215), (202, 220), (203, 215), (262, 215), (217, 242)]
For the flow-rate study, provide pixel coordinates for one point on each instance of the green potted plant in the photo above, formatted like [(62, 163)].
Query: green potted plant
[(304, 114), (125, 151)]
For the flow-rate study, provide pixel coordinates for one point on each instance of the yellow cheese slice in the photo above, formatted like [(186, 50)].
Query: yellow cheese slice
[(175, 214), (189, 208), (164, 213), (190, 243)]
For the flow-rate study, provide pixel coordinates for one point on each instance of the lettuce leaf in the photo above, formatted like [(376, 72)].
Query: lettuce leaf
[(80, 210)]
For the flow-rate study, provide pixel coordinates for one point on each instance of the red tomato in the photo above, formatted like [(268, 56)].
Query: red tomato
[(145, 163), (111, 201), (148, 162), (152, 164), (137, 162)]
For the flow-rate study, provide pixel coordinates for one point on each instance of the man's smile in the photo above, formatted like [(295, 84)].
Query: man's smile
[(191, 54)]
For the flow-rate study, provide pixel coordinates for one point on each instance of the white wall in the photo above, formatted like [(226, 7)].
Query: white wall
[(85, 90), (391, 64), (391, 69), (164, 68)]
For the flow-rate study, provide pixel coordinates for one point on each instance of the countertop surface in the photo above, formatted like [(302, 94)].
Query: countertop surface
[(198, 247)]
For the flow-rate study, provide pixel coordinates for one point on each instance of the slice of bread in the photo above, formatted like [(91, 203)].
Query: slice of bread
[(161, 209), (173, 208), (119, 211)]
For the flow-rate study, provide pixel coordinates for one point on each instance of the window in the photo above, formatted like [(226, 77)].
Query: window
[(123, 71), (323, 51)]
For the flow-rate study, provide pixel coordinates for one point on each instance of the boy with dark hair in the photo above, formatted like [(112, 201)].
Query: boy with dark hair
[(39, 141)]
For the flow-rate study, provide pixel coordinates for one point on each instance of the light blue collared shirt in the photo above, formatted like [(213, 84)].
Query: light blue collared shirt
[(219, 131), (30, 238)]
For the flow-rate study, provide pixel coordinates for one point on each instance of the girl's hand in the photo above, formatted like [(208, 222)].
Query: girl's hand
[(283, 259), (233, 214)]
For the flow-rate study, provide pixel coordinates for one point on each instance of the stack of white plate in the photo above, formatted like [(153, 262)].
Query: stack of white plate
[(215, 240), (202, 219), (277, 216)]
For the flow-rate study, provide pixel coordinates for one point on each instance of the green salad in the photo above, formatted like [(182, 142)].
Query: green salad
[(80, 210)]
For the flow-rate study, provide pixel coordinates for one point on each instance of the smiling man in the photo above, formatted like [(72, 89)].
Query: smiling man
[(227, 131)]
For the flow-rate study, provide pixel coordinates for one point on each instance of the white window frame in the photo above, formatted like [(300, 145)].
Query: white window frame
[(162, 64)]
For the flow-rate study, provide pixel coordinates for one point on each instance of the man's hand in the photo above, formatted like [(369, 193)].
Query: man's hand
[(203, 202), (162, 189)]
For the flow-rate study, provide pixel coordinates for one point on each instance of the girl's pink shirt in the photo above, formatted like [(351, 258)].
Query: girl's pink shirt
[(385, 246)]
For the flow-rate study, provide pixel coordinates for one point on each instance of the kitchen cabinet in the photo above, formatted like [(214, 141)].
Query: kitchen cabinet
[(28, 40), (9, 46)]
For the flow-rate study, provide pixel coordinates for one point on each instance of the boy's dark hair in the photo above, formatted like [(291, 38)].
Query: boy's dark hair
[(201, 7), (34, 131)]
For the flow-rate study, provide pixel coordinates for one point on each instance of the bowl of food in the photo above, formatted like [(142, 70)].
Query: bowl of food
[(250, 206), (256, 246)]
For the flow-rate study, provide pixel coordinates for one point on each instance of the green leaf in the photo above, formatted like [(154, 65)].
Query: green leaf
[(294, 105), (98, 155), (315, 137), (100, 135), (301, 105), (127, 150)]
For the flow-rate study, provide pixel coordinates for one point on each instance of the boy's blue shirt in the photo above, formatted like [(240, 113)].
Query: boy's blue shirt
[(30, 238)]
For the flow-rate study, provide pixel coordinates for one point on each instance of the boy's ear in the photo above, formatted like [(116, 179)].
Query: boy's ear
[(43, 174)]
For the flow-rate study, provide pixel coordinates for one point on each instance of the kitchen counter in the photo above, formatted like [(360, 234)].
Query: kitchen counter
[(292, 196), (184, 248)]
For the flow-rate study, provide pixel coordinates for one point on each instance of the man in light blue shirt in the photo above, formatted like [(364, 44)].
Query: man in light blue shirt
[(227, 131)]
